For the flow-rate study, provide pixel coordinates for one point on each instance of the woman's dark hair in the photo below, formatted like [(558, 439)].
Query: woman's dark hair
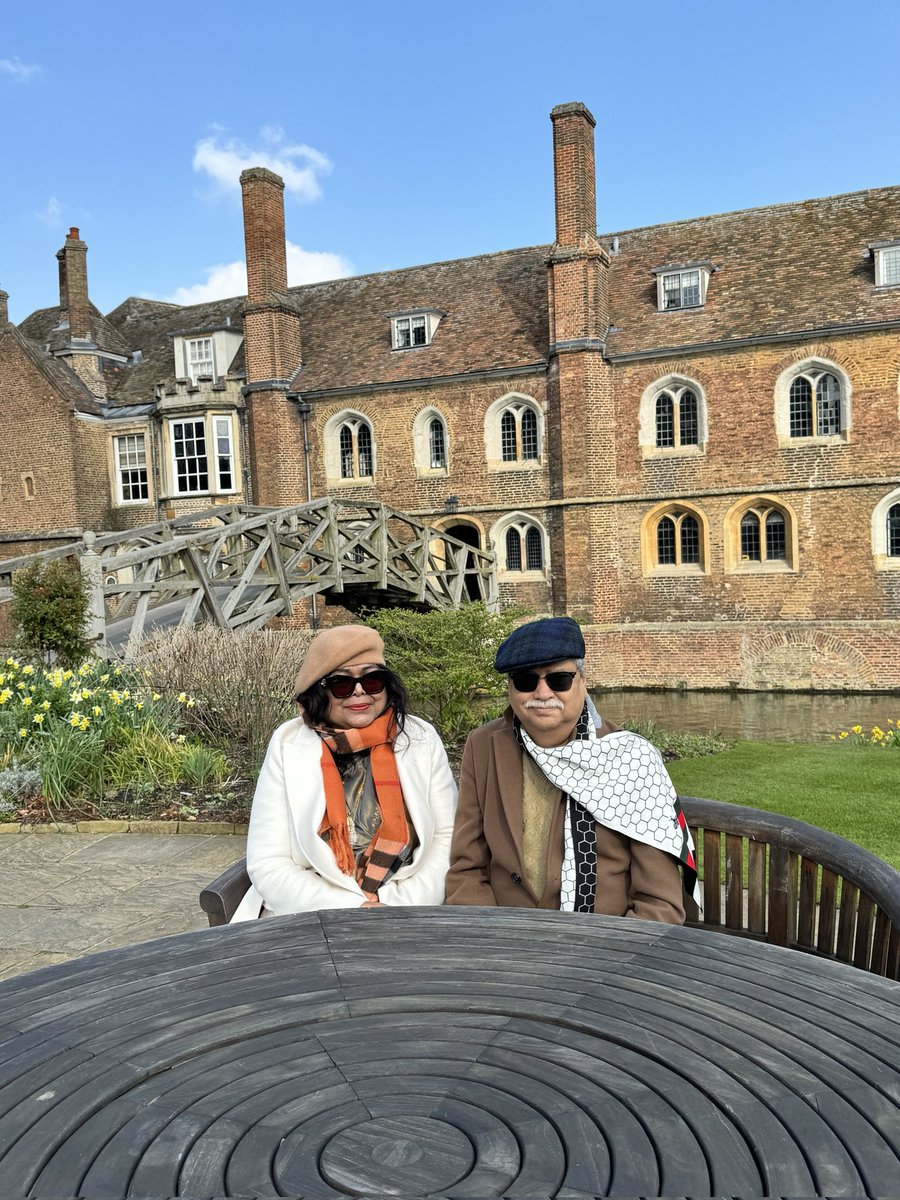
[(314, 701)]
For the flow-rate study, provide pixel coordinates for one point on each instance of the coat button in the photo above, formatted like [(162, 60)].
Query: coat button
[(516, 878)]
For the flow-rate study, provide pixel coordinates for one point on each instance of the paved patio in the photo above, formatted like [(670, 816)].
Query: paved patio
[(63, 895)]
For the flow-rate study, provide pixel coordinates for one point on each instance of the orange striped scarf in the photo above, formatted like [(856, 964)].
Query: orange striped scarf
[(388, 848)]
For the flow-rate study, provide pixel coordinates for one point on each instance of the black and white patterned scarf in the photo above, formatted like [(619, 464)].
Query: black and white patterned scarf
[(618, 781)]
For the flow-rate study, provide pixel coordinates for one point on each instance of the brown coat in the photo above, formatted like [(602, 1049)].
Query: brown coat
[(486, 860)]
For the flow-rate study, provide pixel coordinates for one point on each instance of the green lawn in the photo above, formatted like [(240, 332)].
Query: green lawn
[(850, 790)]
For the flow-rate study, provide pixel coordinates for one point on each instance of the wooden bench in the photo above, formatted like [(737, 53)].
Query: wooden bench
[(765, 877)]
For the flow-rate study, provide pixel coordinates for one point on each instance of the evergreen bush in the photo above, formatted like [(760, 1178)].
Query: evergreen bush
[(49, 609)]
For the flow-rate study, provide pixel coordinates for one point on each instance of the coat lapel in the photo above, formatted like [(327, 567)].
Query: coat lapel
[(508, 760), (306, 802)]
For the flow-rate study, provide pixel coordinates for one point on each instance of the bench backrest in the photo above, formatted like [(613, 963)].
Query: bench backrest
[(783, 881)]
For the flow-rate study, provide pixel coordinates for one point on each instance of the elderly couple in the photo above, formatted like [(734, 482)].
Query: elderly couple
[(558, 809)]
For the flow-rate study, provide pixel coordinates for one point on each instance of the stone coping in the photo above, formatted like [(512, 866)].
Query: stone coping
[(127, 826)]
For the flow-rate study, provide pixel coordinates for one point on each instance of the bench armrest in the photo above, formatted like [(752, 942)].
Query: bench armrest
[(220, 899)]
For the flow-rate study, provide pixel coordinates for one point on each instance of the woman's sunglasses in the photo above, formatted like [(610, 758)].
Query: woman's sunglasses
[(557, 681), (343, 686)]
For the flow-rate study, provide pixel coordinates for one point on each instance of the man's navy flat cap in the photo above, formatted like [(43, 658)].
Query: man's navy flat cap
[(550, 640)]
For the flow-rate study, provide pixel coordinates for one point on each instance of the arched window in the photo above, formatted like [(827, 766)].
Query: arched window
[(437, 444), (512, 432), (893, 531), (672, 416), (760, 533), (520, 543), (678, 540), (349, 448), (812, 401)]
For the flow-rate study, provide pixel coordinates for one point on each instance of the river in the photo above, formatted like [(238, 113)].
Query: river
[(755, 716)]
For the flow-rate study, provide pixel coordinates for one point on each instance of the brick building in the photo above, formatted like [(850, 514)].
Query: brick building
[(685, 435)]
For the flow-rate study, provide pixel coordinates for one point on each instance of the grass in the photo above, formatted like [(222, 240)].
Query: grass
[(853, 791)]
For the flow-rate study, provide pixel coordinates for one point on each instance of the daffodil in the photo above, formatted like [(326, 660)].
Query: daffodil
[(96, 710), (23, 733), (38, 718), (28, 669), (45, 705), (27, 702), (182, 696)]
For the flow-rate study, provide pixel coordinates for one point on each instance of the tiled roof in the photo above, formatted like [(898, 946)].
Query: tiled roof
[(149, 325), (786, 268), (43, 327), (496, 317)]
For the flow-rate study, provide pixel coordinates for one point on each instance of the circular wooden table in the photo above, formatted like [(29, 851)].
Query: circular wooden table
[(466, 1052)]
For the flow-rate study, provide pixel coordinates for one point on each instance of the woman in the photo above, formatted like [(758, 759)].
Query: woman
[(355, 801)]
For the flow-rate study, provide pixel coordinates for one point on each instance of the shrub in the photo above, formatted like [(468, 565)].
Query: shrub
[(49, 609), (679, 745), (242, 681), (446, 660), (18, 785)]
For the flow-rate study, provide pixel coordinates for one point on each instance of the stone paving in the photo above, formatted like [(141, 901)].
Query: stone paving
[(63, 895)]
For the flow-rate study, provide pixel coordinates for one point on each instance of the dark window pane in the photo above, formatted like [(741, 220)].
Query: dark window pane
[(750, 541), (690, 288), (513, 550), (364, 450), (801, 408), (665, 424), (688, 423), (529, 434), (436, 444), (893, 531), (672, 291), (776, 547), (346, 444), (665, 541), (508, 437), (418, 331), (828, 406), (534, 549), (189, 443), (690, 540)]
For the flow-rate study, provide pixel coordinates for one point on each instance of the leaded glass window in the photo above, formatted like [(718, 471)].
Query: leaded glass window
[(776, 542), (801, 407), (345, 439), (828, 406), (689, 425), (665, 424), (690, 540), (893, 531), (364, 450), (529, 434), (513, 550), (751, 550), (437, 444), (665, 542), (508, 445), (534, 549)]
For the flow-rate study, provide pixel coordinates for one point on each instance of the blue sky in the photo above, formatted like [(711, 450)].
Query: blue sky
[(412, 133)]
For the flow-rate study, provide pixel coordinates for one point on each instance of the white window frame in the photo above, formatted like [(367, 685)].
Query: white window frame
[(219, 448), (194, 364), (127, 467), (421, 431), (681, 273), (887, 263), (883, 560), (404, 324), (514, 403), (675, 386), (813, 369), (332, 445), (521, 522)]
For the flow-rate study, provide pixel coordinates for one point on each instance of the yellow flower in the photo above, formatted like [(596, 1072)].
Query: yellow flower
[(182, 696), (139, 705), (45, 705), (28, 669), (12, 662), (27, 702), (38, 718), (156, 695), (104, 678), (126, 695), (67, 675), (843, 734), (86, 694), (856, 728), (83, 724), (2, 679), (5, 695), (84, 669), (190, 703), (117, 671), (20, 686), (96, 710), (23, 733)]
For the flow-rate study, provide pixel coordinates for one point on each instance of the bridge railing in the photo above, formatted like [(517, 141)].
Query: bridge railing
[(245, 564)]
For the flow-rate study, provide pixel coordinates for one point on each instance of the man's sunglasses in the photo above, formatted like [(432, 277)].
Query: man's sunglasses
[(343, 686), (557, 681)]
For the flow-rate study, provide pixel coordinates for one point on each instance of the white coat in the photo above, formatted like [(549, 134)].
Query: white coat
[(293, 870)]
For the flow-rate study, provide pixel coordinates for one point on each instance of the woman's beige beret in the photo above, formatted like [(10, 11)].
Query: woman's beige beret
[(342, 646)]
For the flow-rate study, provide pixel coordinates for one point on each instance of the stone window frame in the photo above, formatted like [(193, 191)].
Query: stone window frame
[(674, 384), (677, 509), (883, 560), (761, 505), (118, 470), (211, 421), (331, 442), (812, 369), (421, 432), (515, 403), (521, 522), (682, 271)]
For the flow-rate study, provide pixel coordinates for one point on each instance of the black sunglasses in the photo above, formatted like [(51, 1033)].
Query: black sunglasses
[(343, 686), (557, 681)]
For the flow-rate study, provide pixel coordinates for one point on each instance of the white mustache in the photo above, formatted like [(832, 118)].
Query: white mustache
[(554, 703)]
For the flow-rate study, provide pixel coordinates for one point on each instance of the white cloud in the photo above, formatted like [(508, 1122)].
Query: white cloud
[(17, 71), (230, 279), (223, 158), (51, 214)]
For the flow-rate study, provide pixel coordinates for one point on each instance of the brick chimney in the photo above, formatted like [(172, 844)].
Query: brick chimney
[(4, 308), (271, 323), (573, 166), (271, 345), (74, 305)]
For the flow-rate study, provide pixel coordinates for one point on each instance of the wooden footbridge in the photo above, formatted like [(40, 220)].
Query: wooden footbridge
[(243, 565)]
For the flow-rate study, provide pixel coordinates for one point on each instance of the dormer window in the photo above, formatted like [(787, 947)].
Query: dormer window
[(887, 263), (199, 358), (681, 286), (409, 330)]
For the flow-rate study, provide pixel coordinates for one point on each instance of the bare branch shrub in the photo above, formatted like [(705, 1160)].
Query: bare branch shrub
[(241, 681)]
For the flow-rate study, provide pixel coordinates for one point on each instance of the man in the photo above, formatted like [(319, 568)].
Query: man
[(555, 812)]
